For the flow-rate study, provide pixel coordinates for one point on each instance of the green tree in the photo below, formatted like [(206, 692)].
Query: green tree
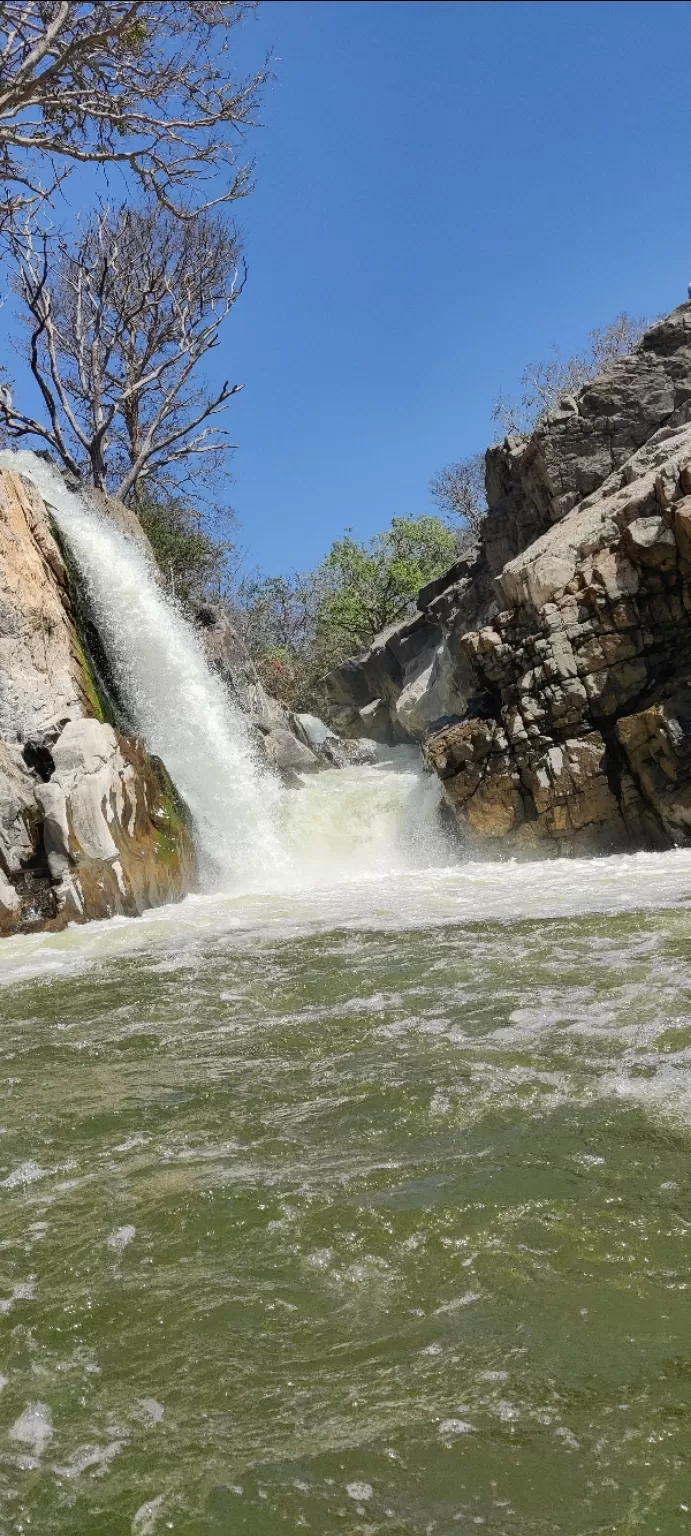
[(298, 627), (367, 587)]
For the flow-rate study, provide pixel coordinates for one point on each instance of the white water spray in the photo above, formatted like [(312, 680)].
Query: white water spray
[(251, 833)]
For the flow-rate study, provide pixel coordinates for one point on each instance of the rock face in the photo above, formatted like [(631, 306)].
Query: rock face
[(286, 743), (551, 685), (579, 735), (533, 484), (415, 673), (90, 824)]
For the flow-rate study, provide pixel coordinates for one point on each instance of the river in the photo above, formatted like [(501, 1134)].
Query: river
[(353, 1194), (363, 1209)]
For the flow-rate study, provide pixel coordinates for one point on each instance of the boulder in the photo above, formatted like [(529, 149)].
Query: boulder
[(314, 731), (285, 752), (331, 748)]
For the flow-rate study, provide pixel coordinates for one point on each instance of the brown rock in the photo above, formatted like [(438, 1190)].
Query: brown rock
[(649, 541), (682, 527)]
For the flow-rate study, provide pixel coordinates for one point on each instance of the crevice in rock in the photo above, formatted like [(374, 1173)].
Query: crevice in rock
[(107, 702), (616, 765), (38, 757)]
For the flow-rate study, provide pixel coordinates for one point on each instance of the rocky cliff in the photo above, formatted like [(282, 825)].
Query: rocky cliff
[(548, 676), (90, 824)]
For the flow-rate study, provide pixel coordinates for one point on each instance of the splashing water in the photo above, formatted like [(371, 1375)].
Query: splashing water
[(251, 832)]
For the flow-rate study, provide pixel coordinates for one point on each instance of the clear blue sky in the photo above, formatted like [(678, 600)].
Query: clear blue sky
[(445, 191)]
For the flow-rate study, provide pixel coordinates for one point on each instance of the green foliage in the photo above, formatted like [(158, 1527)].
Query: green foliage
[(298, 627), (369, 586), (191, 560)]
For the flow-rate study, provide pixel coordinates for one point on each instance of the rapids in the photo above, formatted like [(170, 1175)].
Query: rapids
[(351, 1194)]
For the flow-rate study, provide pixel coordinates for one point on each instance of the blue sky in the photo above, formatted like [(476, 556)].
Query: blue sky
[(445, 191)]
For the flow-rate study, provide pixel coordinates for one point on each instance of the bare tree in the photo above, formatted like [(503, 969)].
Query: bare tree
[(145, 85), (119, 323), (459, 490), (545, 384)]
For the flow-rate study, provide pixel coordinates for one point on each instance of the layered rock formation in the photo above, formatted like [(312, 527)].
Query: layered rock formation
[(414, 673), (90, 824), (567, 637), (279, 735), (293, 744)]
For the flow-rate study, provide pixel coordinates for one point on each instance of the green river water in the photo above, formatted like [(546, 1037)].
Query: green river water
[(362, 1209)]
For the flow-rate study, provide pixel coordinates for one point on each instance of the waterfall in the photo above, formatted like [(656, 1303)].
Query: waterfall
[(251, 833), (177, 704)]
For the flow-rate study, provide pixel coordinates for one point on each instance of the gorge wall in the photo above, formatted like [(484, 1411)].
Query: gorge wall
[(548, 674)]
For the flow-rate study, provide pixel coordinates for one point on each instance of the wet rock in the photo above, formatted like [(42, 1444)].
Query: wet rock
[(288, 754), (90, 824)]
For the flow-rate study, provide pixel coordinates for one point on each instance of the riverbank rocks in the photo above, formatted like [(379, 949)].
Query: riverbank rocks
[(549, 676), (90, 823), (578, 738)]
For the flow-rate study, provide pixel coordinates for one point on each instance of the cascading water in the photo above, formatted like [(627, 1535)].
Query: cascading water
[(178, 706), (251, 833)]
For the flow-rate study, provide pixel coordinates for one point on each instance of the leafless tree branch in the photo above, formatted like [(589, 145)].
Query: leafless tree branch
[(459, 491), (119, 323), (143, 84)]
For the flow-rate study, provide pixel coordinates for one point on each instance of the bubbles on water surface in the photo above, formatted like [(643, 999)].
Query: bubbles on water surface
[(34, 1428), (121, 1238)]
